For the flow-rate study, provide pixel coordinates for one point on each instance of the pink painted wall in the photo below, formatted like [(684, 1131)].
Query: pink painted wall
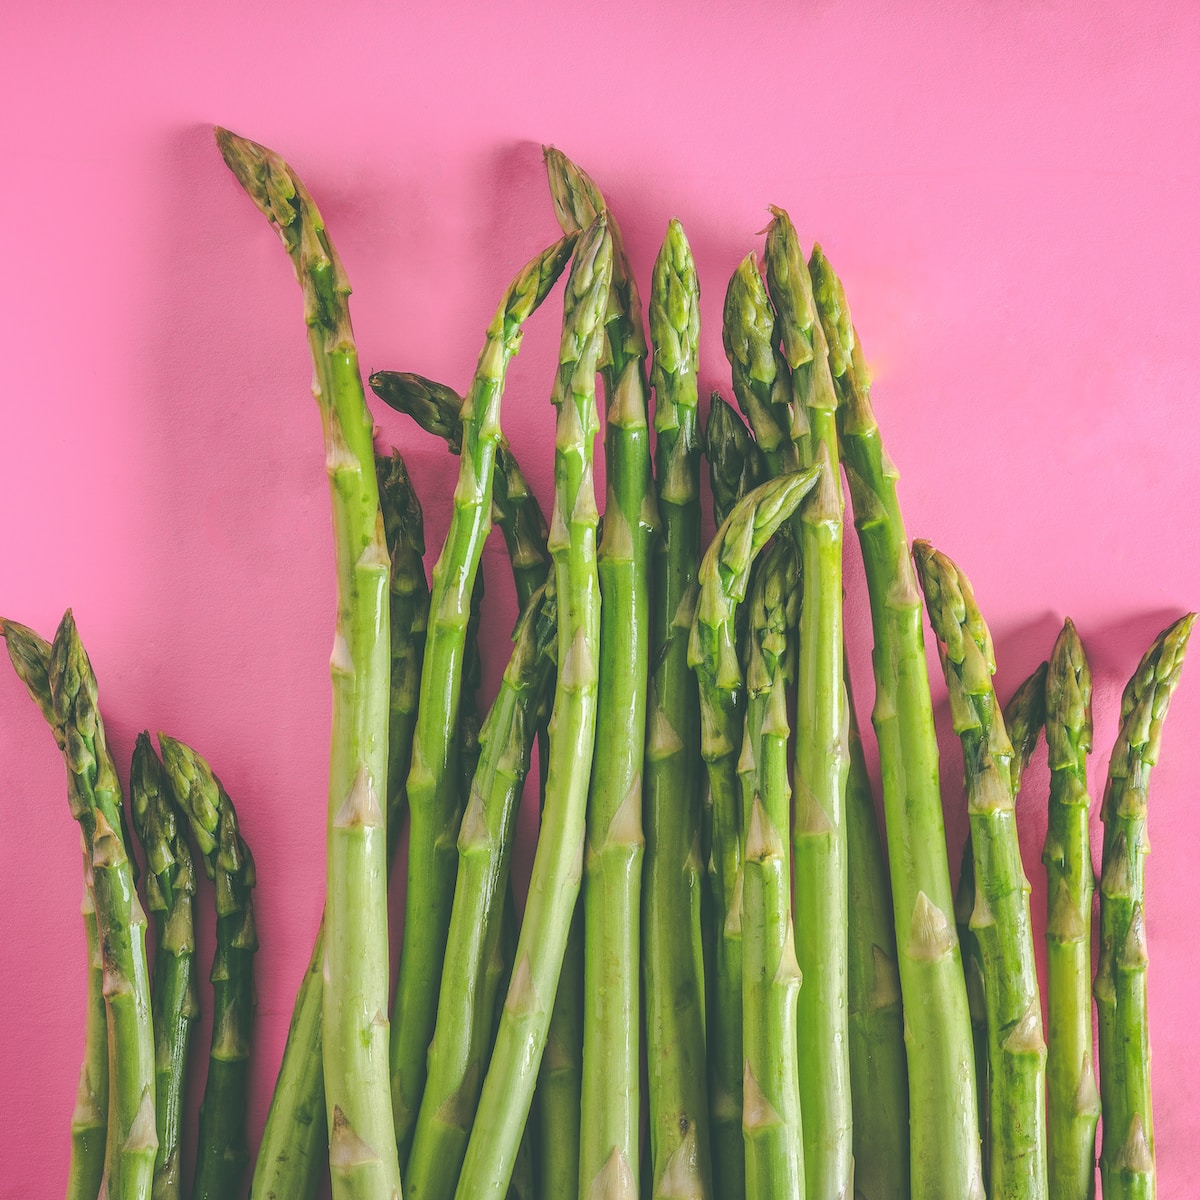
[(1009, 190)]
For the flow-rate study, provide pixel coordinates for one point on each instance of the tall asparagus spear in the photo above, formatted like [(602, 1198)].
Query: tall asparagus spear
[(435, 802), (462, 1037), (96, 803), (30, 655), (170, 892), (712, 654), (944, 1139), (294, 1143), (875, 1026), (221, 1151), (1001, 920), (1127, 1155), (558, 862), (672, 960), (610, 1102), (735, 464), (771, 1107), (1072, 1099), (354, 1005), (818, 824)]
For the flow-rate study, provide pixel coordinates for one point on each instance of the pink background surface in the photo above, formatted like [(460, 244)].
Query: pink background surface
[(1009, 190)]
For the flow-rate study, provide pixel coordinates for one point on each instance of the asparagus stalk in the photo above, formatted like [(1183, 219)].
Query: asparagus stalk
[(712, 654), (96, 803), (944, 1140), (1024, 716), (875, 1030), (221, 1152), (672, 960), (1127, 1154), (1000, 920), (354, 995), (170, 892), (735, 463), (771, 1112), (1071, 1095), (435, 800), (30, 655), (557, 867), (294, 1142), (818, 824), (467, 998)]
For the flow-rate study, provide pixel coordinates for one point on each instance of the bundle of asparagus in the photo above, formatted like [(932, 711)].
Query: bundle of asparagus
[(709, 907)]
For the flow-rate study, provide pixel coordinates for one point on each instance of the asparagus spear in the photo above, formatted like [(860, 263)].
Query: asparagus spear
[(735, 463), (771, 1112), (354, 996), (1071, 1095), (221, 1152), (875, 1029), (1127, 1153), (467, 997), (1024, 716), (712, 654), (96, 803), (30, 655), (292, 1152), (170, 892), (554, 885), (1000, 920), (818, 825), (435, 802), (672, 960), (610, 1096), (944, 1139)]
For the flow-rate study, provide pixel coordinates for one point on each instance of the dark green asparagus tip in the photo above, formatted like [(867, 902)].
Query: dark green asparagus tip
[(955, 615), (1024, 717), (830, 299), (1068, 699), (30, 654), (735, 463), (1148, 692), (434, 406), (791, 289), (535, 280), (577, 200), (749, 322), (403, 520)]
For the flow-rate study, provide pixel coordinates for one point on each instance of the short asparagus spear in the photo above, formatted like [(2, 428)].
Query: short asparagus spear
[(558, 862), (96, 804), (221, 1151), (1000, 920), (467, 1001), (672, 959), (818, 832), (771, 1106), (435, 802), (1072, 1100), (712, 654), (30, 655), (170, 892), (292, 1152), (944, 1139), (1127, 1154), (878, 1069), (354, 995), (735, 463)]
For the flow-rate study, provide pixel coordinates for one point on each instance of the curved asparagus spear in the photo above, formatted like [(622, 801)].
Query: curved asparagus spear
[(1001, 920), (944, 1139), (878, 1069), (557, 866), (170, 892), (771, 1112), (1072, 1100), (30, 655), (672, 958), (435, 802), (221, 1152), (712, 654), (818, 824), (1127, 1154), (354, 996), (735, 464), (294, 1143), (467, 998)]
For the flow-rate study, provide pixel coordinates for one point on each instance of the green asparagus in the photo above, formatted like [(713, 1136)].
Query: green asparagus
[(735, 463)]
